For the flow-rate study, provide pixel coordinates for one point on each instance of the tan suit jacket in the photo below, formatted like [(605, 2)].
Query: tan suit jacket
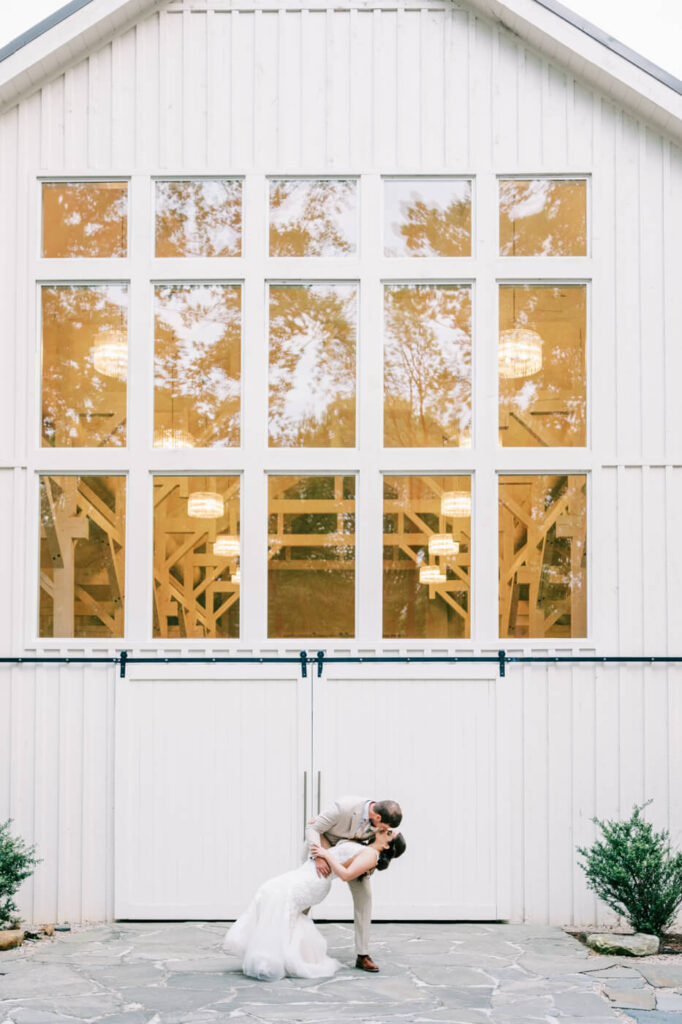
[(343, 820), (340, 821)]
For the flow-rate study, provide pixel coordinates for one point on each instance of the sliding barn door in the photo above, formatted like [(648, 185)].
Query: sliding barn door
[(415, 734), (210, 774)]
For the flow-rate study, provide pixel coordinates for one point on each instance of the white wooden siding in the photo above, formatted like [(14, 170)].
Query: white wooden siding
[(573, 742), (427, 89)]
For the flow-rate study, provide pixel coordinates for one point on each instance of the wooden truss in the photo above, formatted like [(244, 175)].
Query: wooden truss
[(82, 556), (542, 556)]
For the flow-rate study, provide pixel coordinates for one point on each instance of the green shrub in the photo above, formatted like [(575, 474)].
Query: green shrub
[(17, 862), (632, 869)]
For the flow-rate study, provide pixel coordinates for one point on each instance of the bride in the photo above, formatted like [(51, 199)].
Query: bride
[(275, 938)]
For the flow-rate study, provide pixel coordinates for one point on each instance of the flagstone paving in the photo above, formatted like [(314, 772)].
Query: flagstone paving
[(172, 973)]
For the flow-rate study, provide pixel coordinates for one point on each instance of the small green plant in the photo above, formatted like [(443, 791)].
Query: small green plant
[(633, 870), (17, 862)]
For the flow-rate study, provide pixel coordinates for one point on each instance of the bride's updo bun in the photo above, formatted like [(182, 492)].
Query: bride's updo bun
[(396, 849)]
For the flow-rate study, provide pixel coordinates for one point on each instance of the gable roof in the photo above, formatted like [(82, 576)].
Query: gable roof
[(560, 34)]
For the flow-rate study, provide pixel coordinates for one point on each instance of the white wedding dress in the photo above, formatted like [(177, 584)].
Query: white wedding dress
[(274, 938)]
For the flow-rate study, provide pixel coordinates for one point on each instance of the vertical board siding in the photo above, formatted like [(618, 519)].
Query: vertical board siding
[(56, 783), (574, 743), (429, 89)]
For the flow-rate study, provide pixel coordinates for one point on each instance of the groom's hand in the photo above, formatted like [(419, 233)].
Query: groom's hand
[(323, 869)]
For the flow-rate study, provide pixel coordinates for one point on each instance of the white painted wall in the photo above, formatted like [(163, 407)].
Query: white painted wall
[(212, 89)]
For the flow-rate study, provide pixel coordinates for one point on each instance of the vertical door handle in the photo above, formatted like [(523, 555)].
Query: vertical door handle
[(319, 790), (305, 801)]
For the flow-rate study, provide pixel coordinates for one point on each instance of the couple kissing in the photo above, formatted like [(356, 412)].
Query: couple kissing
[(275, 936)]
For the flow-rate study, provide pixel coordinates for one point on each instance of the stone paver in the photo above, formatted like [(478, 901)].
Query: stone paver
[(152, 973)]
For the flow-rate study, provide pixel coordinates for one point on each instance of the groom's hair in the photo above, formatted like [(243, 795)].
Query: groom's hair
[(389, 812)]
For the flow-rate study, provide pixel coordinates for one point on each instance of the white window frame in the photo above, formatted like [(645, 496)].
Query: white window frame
[(253, 460)]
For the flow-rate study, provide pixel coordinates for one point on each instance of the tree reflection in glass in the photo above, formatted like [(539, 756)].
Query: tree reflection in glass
[(197, 358), (311, 556), (313, 217), (312, 365), (199, 218), (543, 217), (427, 217), (84, 365), (543, 558), (427, 366), (85, 218), (545, 406)]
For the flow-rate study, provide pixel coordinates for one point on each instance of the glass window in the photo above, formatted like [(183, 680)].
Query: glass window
[(82, 556), (199, 218), (427, 556), (543, 576), (85, 365), (312, 365), (85, 218), (427, 217), (541, 362), (427, 366), (197, 359), (311, 556), (313, 217), (196, 556), (543, 217)]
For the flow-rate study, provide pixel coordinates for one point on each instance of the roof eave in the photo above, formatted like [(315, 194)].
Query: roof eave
[(592, 61), (59, 41)]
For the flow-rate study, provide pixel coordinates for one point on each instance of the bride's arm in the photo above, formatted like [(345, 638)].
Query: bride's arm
[(362, 862)]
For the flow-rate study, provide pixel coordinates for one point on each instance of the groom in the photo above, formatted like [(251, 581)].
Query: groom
[(355, 817)]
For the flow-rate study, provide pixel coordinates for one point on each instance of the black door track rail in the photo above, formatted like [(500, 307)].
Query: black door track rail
[(320, 659)]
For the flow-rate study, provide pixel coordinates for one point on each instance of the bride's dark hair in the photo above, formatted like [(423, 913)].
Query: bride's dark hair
[(396, 848)]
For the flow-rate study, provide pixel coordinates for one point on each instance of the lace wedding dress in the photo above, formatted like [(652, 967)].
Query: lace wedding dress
[(274, 938)]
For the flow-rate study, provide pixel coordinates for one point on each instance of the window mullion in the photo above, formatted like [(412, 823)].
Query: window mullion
[(254, 562), (484, 569)]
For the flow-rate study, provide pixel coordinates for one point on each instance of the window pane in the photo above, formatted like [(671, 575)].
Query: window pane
[(199, 218), (313, 218), (427, 217), (197, 365), (82, 556), (543, 217), (312, 365), (85, 218), (543, 576), (541, 360), (85, 365), (311, 556), (196, 556), (427, 556), (427, 366)]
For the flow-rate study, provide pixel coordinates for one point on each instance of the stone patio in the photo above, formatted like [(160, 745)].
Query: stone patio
[(171, 973)]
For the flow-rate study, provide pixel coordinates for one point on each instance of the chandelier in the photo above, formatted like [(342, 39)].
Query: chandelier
[(431, 574), (519, 353), (443, 544), (110, 354), (455, 503), (173, 437), (227, 545), (236, 577), (205, 505)]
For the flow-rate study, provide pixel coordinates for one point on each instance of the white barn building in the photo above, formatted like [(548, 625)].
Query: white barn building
[(350, 327)]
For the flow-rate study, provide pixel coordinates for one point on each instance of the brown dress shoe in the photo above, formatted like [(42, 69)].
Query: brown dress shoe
[(365, 963)]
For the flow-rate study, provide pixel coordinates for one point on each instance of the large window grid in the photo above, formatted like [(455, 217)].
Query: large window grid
[(483, 272)]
